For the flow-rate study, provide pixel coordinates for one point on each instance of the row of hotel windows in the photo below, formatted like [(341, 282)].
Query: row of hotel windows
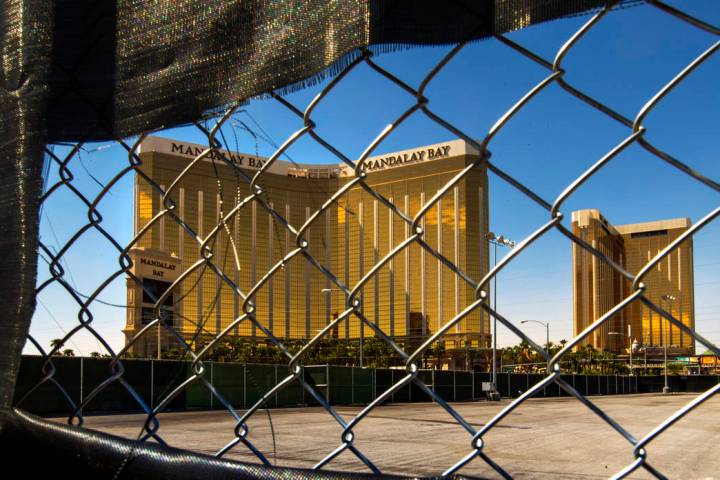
[(392, 299)]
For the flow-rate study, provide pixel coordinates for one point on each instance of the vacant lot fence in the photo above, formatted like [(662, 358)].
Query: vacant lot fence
[(244, 384)]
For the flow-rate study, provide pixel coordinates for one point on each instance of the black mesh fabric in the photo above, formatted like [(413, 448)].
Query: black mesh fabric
[(95, 70), (84, 453), (123, 67)]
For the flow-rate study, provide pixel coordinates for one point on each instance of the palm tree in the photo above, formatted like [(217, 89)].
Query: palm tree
[(55, 344)]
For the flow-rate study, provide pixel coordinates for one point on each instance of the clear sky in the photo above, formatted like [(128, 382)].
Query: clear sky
[(623, 62)]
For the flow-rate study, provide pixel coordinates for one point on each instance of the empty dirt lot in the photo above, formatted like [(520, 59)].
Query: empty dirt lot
[(543, 438)]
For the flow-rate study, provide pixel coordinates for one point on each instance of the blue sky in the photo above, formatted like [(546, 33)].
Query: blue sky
[(623, 62)]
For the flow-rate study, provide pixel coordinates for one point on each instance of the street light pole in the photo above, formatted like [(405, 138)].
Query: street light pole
[(669, 299), (631, 343), (362, 336), (496, 240), (632, 346), (547, 338)]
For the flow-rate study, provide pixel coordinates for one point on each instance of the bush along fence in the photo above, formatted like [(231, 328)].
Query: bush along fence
[(243, 384)]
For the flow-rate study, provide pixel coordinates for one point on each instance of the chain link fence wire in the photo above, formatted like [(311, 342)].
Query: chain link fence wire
[(211, 259)]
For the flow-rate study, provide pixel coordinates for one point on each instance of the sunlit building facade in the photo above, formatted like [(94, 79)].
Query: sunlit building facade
[(409, 298), (597, 287)]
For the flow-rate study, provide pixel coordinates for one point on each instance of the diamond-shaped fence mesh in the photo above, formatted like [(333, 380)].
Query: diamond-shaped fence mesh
[(211, 263)]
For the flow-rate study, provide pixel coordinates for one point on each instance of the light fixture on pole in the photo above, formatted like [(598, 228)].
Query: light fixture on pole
[(632, 345), (669, 299), (496, 240), (362, 332), (547, 338)]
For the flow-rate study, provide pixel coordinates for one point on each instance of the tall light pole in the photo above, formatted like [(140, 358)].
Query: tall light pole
[(633, 344), (669, 299), (547, 338), (496, 240), (362, 336)]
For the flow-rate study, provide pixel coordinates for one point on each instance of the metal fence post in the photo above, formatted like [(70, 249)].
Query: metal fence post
[(82, 380), (454, 385), (212, 382), (152, 383), (409, 392), (327, 383), (245, 385), (472, 388), (277, 395)]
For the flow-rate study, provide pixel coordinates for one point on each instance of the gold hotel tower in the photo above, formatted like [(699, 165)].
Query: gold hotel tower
[(410, 298), (597, 287)]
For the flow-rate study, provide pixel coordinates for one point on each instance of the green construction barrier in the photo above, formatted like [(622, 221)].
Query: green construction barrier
[(341, 385), (316, 377), (242, 385), (527, 383), (167, 376), (417, 394), (197, 394), (463, 386), (47, 398), (115, 396), (444, 383), (383, 381), (228, 380), (293, 394), (480, 378), (568, 378), (403, 393), (259, 380), (363, 385)]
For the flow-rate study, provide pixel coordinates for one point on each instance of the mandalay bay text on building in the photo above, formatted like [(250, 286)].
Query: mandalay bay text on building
[(409, 298)]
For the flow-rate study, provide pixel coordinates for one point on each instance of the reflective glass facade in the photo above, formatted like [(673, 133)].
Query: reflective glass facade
[(597, 287), (409, 298)]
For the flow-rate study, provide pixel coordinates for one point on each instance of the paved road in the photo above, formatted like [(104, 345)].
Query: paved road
[(555, 438)]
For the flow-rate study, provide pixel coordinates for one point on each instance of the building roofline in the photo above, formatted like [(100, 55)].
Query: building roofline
[(402, 158), (667, 224), (579, 216)]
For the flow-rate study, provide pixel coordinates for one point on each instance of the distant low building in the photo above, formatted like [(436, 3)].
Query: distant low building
[(597, 287)]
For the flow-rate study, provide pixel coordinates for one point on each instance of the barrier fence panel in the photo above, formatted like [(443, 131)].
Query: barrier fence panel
[(480, 378), (44, 396), (341, 385), (228, 379), (463, 386), (417, 394), (197, 395), (199, 89), (242, 384), (362, 389)]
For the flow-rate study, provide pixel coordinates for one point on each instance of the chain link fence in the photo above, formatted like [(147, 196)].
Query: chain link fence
[(418, 104)]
